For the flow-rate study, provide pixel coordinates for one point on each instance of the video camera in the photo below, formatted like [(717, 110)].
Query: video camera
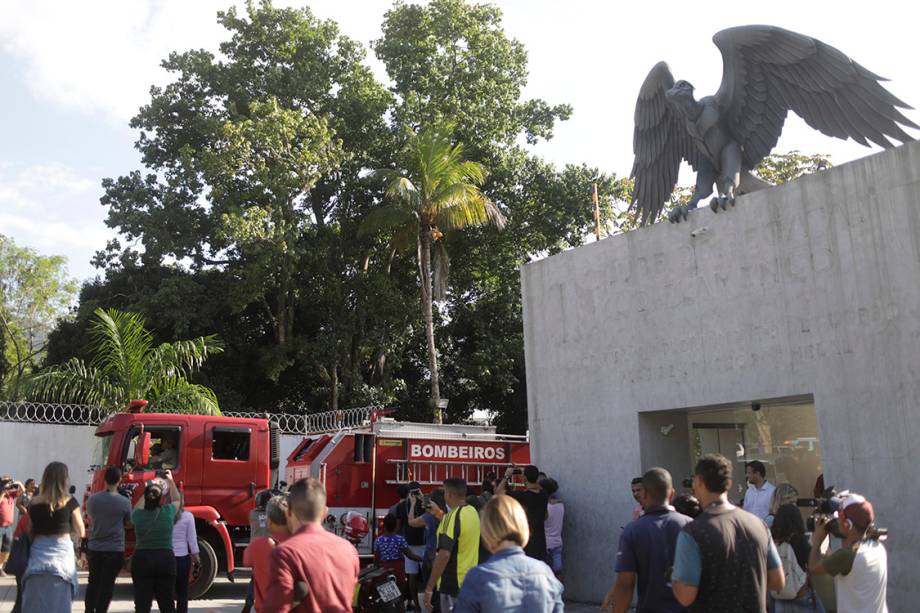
[(826, 506)]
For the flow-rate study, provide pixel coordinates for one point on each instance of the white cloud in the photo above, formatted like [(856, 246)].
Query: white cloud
[(55, 210), (102, 56)]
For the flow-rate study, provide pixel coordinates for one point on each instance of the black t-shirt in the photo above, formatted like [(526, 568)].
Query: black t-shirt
[(46, 522), (414, 536), (534, 504)]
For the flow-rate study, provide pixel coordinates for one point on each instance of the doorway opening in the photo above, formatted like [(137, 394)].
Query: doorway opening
[(782, 433)]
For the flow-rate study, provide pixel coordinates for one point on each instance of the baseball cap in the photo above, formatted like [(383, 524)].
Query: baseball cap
[(856, 509), (153, 490)]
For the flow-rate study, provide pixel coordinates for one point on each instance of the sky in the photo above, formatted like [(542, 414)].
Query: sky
[(74, 73)]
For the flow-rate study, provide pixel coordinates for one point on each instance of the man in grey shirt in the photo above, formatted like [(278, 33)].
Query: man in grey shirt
[(109, 513)]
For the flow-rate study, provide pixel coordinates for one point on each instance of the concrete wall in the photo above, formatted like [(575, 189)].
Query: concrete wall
[(25, 450), (807, 288)]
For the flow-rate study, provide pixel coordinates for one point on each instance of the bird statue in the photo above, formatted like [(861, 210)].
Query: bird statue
[(767, 71)]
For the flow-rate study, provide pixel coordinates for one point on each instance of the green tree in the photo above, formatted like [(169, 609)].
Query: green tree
[(778, 168), (35, 292), (435, 192), (126, 366), (256, 169)]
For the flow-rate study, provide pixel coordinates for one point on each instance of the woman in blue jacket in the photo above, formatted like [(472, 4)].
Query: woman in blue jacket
[(510, 581)]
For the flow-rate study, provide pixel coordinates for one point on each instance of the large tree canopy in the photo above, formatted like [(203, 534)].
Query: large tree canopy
[(258, 171)]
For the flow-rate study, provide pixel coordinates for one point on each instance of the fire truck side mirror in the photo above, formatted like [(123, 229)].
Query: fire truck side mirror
[(142, 450)]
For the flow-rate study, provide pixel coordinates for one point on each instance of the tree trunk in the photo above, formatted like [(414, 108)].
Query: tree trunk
[(424, 267), (334, 382)]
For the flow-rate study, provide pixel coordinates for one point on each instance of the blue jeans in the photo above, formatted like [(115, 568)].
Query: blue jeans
[(6, 538), (554, 557), (808, 602)]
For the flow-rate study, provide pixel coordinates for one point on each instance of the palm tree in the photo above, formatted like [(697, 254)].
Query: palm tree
[(437, 191), (126, 366)]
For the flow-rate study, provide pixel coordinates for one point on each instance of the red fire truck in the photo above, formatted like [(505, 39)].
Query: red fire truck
[(221, 463), (363, 456)]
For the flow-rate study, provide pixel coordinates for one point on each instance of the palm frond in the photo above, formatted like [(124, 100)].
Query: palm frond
[(120, 343), (75, 382), (387, 217), (181, 358), (177, 395), (466, 206)]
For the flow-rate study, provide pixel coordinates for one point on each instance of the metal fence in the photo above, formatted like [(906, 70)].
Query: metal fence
[(85, 415), (51, 413)]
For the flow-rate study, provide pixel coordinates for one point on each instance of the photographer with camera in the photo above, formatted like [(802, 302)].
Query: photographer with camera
[(109, 513), (153, 565), (536, 504), (9, 491), (860, 566), (415, 538)]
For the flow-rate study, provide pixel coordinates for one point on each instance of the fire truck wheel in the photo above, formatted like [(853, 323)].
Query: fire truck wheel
[(201, 582)]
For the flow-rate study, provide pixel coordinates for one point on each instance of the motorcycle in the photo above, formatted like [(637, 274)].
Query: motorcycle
[(378, 592)]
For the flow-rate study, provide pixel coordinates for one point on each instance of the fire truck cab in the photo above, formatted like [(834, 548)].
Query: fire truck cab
[(219, 463), (362, 457)]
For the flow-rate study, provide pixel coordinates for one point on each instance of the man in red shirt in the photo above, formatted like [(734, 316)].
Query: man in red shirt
[(314, 571)]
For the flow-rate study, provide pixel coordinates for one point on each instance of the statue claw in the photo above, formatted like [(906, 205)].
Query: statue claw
[(680, 213), (721, 203)]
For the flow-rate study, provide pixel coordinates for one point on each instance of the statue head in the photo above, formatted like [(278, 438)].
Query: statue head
[(681, 96)]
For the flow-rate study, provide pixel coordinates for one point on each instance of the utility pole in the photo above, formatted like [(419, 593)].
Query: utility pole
[(597, 215)]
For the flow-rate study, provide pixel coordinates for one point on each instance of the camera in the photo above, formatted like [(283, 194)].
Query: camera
[(127, 489), (687, 483), (6, 484), (517, 471), (825, 507)]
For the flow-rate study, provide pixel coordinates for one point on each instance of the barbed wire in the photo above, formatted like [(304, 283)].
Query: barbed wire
[(51, 413), (330, 421), (287, 423), (88, 415)]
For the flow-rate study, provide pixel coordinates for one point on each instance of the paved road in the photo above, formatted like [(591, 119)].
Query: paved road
[(224, 597)]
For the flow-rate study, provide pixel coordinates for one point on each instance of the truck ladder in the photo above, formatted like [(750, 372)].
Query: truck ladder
[(433, 472)]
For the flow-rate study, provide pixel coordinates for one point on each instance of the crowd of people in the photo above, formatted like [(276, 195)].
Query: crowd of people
[(702, 553), (500, 550)]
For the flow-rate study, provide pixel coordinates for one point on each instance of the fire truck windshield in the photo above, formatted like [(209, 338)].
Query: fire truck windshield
[(101, 449)]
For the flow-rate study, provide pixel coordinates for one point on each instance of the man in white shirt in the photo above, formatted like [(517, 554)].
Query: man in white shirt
[(759, 493), (860, 566)]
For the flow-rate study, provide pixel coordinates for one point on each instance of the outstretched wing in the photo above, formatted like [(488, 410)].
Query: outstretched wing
[(769, 71), (660, 142)]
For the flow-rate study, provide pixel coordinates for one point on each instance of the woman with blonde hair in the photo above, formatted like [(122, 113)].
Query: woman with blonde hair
[(785, 493), (50, 580), (510, 581)]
